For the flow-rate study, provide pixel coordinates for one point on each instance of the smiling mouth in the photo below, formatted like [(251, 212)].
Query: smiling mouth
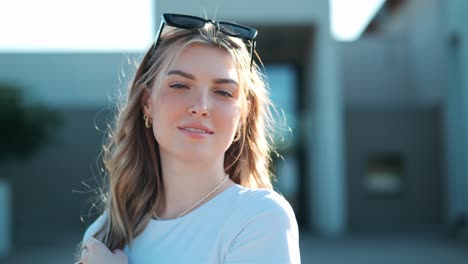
[(196, 130)]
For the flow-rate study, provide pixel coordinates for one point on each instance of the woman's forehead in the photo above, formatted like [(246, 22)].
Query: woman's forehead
[(204, 59)]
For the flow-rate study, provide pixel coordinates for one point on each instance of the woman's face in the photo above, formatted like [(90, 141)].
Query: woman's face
[(196, 108)]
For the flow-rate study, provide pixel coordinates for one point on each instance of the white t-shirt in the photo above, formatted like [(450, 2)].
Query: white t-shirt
[(239, 225)]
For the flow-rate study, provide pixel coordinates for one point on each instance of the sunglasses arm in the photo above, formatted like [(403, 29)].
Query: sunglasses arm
[(161, 27), (252, 48)]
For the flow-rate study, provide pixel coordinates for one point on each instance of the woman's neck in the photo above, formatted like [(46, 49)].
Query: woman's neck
[(186, 183)]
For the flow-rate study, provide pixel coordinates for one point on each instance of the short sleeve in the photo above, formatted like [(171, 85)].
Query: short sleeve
[(94, 227), (270, 237)]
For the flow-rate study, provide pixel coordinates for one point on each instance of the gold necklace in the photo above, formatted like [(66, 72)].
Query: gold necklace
[(200, 201)]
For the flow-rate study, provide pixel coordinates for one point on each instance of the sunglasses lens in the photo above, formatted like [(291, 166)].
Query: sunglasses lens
[(237, 31), (186, 21)]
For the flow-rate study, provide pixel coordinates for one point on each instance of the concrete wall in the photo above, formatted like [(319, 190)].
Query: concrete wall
[(427, 39), (80, 87), (402, 65), (376, 73), (457, 109), (68, 80), (47, 190), (245, 11), (393, 81), (416, 135)]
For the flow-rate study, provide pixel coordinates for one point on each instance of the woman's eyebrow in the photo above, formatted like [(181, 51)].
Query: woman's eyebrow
[(181, 73), (221, 81), (191, 77)]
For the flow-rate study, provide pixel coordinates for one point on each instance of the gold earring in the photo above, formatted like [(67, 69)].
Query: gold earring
[(147, 122), (237, 135)]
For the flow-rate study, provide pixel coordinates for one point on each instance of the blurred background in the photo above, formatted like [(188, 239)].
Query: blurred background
[(375, 162)]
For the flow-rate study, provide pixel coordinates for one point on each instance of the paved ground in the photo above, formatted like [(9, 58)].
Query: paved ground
[(354, 249), (383, 249)]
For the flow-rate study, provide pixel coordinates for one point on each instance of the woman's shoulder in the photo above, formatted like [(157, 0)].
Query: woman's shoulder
[(265, 229), (261, 197), (262, 200), (95, 226)]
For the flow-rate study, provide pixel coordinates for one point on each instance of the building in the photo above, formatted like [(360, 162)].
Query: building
[(380, 123)]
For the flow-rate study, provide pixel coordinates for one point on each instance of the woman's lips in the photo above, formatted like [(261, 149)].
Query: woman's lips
[(196, 127), (196, 132)]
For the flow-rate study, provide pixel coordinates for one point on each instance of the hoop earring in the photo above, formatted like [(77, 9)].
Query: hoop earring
[(237, 136), (147, 121)]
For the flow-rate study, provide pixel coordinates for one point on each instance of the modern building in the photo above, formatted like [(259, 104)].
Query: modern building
[(379, 137)]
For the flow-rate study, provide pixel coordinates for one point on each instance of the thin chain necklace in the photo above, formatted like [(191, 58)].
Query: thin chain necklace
[(201, 200)]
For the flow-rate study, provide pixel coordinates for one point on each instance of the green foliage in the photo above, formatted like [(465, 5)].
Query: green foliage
[(24, 129)]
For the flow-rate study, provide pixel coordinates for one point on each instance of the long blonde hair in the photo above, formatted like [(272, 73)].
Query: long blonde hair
[(131, 158)]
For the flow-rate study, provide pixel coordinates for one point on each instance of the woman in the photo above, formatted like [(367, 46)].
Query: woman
[(188, 158)]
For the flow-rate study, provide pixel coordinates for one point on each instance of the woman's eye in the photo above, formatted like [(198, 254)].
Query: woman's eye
[(224, 93), (178, 86)]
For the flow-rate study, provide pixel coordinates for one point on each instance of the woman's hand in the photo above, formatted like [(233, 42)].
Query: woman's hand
[(96, 252)]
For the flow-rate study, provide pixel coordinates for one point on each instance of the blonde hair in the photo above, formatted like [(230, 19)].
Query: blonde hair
[(131, 158)]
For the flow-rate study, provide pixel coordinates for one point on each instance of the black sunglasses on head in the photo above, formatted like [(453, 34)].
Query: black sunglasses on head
[(192, 22)]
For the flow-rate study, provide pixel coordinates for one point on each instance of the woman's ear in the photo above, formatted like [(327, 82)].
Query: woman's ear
[(146, 101)]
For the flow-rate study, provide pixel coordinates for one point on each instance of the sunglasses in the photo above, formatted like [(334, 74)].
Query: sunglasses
[(193, 22)]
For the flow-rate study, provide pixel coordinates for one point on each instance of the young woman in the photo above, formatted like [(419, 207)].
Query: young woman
[(188, 158)]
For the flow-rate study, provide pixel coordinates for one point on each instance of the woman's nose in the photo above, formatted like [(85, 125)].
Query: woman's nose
[(200, 107)]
